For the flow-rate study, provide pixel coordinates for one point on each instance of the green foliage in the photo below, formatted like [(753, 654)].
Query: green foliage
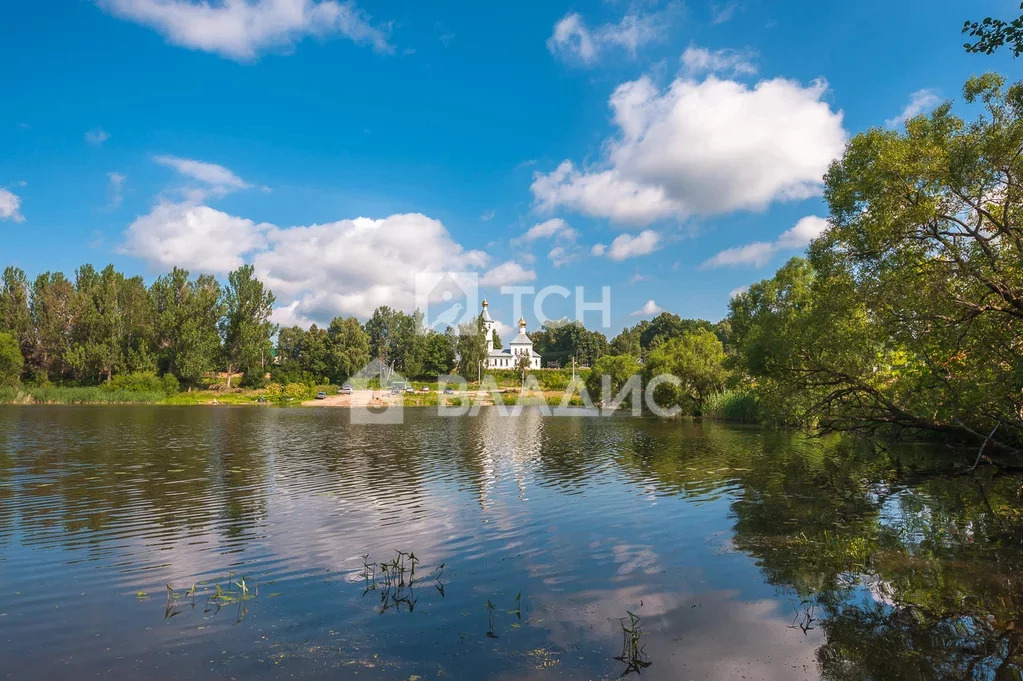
[(472, 348), (696, 359), (739, 406), (619, 369), (909, 312), (246, 327), (992, 34), (11, 361), (559, 342)]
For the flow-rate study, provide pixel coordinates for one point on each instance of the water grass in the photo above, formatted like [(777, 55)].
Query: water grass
[(633, 648), (396, 580)]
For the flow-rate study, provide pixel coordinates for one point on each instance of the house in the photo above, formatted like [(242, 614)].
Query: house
[(508, 358)]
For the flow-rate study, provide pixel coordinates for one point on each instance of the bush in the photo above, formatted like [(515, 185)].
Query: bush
[(143, 381), (170, 384), (93, 395), (739, 405)]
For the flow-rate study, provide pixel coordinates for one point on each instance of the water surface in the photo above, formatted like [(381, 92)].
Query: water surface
[(743, 553)]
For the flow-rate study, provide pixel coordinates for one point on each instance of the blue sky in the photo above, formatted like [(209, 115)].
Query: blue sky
[(678, 146)]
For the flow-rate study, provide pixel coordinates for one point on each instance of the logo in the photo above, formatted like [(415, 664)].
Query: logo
[(447, 299)]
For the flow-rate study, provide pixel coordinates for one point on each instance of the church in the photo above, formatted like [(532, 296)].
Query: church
[(520, 345)]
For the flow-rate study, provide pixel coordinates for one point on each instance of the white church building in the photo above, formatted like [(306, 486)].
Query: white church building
[(508, 358)]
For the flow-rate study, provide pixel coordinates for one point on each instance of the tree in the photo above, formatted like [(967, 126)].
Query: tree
[(348, 347), (696, 358), (626, 343), (246, 327), (927, 231), (523, 363), (54, 311), (439, 355), (472, 348), (15, 313), (11, 361), (618, 369), (992, 34), (186, 319), (496, 339)]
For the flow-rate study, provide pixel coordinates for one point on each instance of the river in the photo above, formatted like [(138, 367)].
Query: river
[(226, 542)]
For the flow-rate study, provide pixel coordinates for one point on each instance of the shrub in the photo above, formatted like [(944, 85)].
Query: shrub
[(740, 405), (170, 384)]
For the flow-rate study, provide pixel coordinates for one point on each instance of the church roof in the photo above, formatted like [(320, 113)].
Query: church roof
[(486, 311), (521, 339)]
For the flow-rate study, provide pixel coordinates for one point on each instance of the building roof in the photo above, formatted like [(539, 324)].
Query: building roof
[(521, 339)]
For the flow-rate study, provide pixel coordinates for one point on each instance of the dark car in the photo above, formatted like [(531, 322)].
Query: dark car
[(449, 391)]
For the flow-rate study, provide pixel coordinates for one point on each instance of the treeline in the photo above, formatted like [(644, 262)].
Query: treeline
[(102, 324)]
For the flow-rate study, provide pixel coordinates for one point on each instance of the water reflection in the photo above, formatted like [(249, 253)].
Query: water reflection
[(739, 552)]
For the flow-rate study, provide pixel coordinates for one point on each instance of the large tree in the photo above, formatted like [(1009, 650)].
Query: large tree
[(186, 318), (348, 347), (11, 361), (910, 311), (696, 359), (246, 327), (15, 312)]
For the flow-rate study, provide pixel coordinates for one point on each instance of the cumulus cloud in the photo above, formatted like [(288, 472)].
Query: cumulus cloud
[(318, 271), (243, 29), (598, 249), (559, 255), (555, 228), (195, 237), (507, 274), (97, 137), (696, 60), (572, 38), (758, 253), (628, 246), (649, 309), (919, 102), (10, 206), (702, 147)]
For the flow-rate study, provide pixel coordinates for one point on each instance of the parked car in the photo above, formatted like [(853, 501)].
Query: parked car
[(425, 389), (395, 391), (321, 395), (449, 391), (345, 389), (409, 389)]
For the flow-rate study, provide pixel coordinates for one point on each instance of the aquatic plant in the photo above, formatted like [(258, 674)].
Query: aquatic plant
[(633, 654), (396, 580)]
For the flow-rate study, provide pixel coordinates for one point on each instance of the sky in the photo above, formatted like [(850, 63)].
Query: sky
[(670, 151)]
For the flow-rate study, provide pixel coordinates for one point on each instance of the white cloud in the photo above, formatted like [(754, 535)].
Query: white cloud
[(195, 237), (919, 102), (555, 228), (219, 180), (737, 291), (707, 147), (649, 309), (97, 137), (10, 206), (598, 249), (628, 246), (115, 188), (572, 38), (243, 29), (488, 216), (506, 274), (758, 253), (559, 255), (697, 60), (316, 272), (720, 13)]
